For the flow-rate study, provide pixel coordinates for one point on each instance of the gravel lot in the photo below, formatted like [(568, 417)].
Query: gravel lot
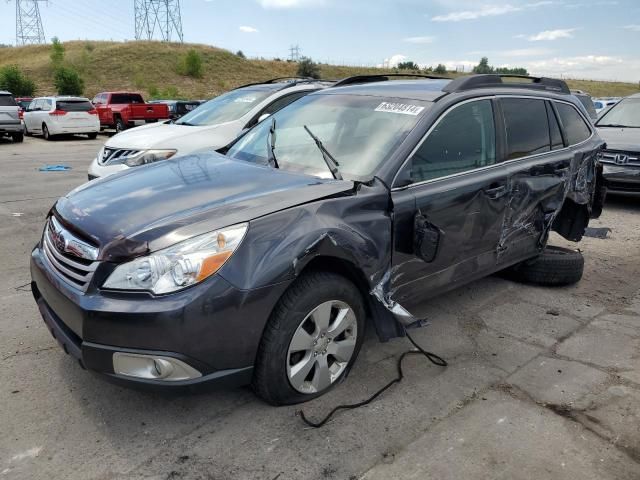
[(542, 383)]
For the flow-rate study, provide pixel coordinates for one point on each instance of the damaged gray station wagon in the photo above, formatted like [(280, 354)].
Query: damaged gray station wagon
[(346, 210)]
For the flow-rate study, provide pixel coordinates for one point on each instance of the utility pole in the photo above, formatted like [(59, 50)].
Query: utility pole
[(29, 29), (294, 53), (160, 17)]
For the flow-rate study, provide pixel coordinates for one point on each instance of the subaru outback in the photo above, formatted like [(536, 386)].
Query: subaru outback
[(346, 210)]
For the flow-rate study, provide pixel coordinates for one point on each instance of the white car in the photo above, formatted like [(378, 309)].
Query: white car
[(601, 104), (51, 116), (212, 125)]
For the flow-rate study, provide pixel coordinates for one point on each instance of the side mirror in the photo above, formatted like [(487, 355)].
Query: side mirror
[(426, 238), (263, 116)]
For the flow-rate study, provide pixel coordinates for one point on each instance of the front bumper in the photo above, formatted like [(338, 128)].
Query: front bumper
[(97, 171), (622, 180), (212, 327)]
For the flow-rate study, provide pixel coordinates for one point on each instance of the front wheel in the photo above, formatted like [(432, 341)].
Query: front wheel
[(311, 340), (45, 132)]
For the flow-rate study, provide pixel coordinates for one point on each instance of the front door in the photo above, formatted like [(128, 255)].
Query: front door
[(448, 222)]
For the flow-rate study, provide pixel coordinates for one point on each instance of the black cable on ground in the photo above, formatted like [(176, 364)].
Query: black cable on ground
[(432, 357)]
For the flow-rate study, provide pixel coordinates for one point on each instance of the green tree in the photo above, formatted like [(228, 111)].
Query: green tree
[(68, 81), (57, 52), (483, 66), (193, 65), (13, 80), (440, 69), (308, 68), (408, 65), (240, 54)]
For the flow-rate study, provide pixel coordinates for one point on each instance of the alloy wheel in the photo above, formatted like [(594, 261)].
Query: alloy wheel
[(321, 347)]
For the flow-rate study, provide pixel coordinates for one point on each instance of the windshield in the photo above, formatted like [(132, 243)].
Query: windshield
[(360, 132), (624, 114), (225, 108)]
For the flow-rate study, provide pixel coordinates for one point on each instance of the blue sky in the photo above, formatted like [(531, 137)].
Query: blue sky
[(573, 38)]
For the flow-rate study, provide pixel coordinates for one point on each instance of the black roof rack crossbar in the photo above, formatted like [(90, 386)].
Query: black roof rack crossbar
[(472, 82), (382, 77), (294, 81)]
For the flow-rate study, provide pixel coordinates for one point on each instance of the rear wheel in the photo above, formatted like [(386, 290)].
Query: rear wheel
[(92, 135), (555, 266), (311, 340), (45, 132), (120, 125), (18, 137)]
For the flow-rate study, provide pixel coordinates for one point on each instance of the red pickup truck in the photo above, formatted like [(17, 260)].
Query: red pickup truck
[(121, 110)]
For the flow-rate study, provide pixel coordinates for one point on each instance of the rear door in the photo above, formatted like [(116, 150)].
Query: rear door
[(76, 113), (9, 112), (448, 222), (539, 166)]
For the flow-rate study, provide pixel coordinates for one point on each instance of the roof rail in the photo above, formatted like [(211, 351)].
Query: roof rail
[(472, 82), (382, 77), (293, 81)]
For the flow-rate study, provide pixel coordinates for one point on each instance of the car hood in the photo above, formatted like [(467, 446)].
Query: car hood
[(626, 139), (172, 136), (151, 207)]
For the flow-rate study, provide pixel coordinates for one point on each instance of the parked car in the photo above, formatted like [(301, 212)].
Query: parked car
[(601, 104), (346, 210), (61, 115), (10, 124), (212, 125), (620, 128), (23, 103), (179, 108), (122, 110), (587, 103)]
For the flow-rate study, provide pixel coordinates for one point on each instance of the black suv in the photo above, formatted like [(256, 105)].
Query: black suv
[(345, 210)]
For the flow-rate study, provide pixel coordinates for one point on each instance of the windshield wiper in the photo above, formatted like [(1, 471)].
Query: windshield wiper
[(614, 125), (186, 123), (271, 145), (331, 162)]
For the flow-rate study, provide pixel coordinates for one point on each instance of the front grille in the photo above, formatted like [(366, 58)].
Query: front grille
[(620, 158), (114, 156), (74, 270)]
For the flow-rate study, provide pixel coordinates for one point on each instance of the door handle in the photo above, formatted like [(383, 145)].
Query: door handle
[(496, 191)]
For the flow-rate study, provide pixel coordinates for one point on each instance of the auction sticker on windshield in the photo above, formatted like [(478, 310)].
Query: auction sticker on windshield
[(245, 100), (402, 108)]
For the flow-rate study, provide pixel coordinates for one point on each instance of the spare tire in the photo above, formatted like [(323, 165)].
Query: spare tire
[(555, 266)]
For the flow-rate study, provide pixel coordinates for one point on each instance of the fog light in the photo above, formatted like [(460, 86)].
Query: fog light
[(153, 367)]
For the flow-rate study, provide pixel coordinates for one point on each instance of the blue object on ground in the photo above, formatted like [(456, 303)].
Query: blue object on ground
[(55, 168)]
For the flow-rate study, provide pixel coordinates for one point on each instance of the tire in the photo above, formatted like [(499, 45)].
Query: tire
[(555, 266), (92, 135), (120, 125), (17, 137), (317, 293), (45, 132), (27, 133)]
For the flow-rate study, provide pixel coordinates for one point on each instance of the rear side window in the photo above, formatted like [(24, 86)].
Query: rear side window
[(7, 101), (465, 139), (527, 127), (575, 127), (74, 105)]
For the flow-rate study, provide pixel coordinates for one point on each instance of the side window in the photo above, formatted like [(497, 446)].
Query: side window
[(554, 129), (38, 104), (575, 128), (463, 140), (46, 105), (527, 127)]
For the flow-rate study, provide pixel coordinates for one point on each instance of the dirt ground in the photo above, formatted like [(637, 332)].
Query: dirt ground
[(541, 383)]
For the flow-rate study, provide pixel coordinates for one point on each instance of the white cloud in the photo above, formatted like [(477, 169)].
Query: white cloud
[(525, 52), (487, 11), (420, 40), (290, 3), (596, 67), (550, 35), (393, 61), (633, 28), (248, 29)]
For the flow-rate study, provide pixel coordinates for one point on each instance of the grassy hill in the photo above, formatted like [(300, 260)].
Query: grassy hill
[(155, 66)]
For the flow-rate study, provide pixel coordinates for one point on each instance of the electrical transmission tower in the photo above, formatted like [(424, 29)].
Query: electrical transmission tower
[(28, 23), (295, 53), (158, 17)]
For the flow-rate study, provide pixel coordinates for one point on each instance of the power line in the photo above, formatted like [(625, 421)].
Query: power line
[(29, 30), (158, 17), (294, 53)]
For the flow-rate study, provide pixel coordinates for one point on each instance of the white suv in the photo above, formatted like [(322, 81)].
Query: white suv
[(9, 117), (212, 125), (51, 116)]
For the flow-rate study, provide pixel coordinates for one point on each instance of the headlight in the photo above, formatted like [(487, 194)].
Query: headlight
[(179, 266), (149, 156)]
